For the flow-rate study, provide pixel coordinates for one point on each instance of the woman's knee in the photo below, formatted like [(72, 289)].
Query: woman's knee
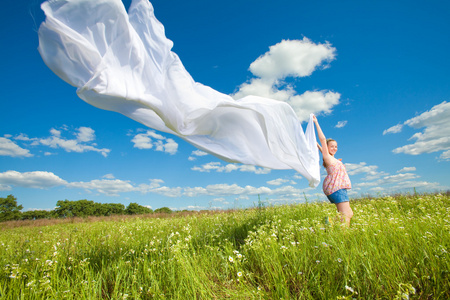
[(348, 213), (345, 209)]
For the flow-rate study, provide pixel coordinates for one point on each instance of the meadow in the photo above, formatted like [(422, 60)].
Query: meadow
[(396, 248)]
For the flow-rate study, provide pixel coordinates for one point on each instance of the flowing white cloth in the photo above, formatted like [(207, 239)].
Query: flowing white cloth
[(123, 62)]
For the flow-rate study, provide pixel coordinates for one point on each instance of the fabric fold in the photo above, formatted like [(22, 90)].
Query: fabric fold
[(123, 62)]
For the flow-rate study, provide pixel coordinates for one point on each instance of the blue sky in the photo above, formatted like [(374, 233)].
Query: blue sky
[(381, 90)]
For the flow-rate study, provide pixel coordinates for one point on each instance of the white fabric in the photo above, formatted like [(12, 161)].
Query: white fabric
[(123, 62)]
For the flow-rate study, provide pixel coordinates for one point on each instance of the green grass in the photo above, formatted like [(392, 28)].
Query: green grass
[(396, 247)]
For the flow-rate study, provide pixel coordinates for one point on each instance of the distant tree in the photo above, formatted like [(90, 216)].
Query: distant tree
[(36, 214), (109, 209), (9, 210), (163, 210), (136, 209), (80, 208)]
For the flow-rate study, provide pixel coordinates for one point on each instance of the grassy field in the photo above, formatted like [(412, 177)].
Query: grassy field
[(396, 248)]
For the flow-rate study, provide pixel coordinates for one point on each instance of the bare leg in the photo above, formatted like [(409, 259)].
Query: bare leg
[(346, 211)]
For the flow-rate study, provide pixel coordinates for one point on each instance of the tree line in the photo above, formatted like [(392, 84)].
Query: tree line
[(10, 210)]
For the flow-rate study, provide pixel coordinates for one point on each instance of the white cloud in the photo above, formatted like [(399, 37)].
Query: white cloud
[(394, 129), (313, 102), (9, 148), (196, 153), (407, 169), (109, 187), (218, 167), (424, 185), (142, 141), (291, 58), (194, 191), (36, 179), (341, 124), (108, 176), (280, 181), (296, 58), (395, 183), (170, 146), (55, 132), (151, 139), (436, 135), (242, 192), (168, 191), (154, 183), (408, 185), (81, 144), (371, 171), (380, 181), (390, 179), (85, 134), (113, 187), (4, 187), (445, 155), (22, 137)]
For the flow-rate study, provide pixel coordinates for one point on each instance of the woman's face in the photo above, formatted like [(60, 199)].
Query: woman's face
[(332, 147)]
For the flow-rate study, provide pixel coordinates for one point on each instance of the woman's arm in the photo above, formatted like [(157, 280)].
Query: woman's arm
[(320, 148), (323, 140)]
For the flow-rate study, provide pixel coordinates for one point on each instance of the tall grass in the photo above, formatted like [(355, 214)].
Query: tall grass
[(396, 247)]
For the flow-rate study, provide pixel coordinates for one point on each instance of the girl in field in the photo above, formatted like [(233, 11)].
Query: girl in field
[(337, 181)]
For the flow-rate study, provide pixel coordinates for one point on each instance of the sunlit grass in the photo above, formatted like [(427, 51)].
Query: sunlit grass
[(396, 247)]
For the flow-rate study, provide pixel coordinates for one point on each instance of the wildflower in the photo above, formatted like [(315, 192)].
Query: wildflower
[(230, 259), (350, 289), (324, 244), (239, 255), (299, 273), (339, 260), (239, 274), (317, 261)]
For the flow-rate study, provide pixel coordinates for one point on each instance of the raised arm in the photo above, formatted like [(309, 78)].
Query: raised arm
[(327, 158)]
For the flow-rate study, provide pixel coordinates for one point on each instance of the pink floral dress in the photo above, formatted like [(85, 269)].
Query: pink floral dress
[(336, 179)]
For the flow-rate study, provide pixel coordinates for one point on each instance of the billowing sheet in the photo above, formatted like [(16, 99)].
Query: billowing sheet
[(123, 62)]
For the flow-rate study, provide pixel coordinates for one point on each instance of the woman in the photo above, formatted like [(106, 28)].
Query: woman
[(337, 181)]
